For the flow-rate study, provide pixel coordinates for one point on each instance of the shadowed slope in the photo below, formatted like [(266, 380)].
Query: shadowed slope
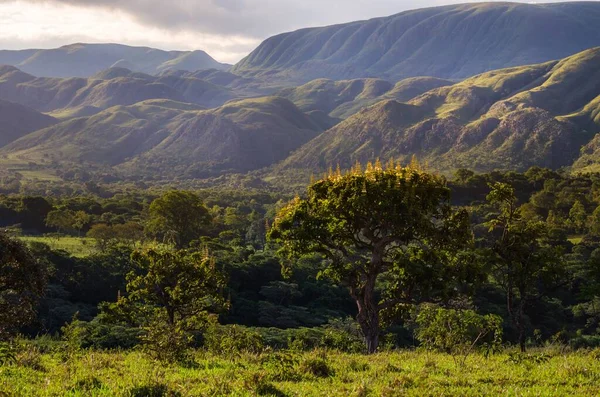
[(17, 121)]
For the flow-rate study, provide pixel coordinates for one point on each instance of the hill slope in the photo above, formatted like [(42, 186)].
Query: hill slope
[(448, 42), (341, 99), (507, 119), (17, 121), (85, 60), (72, 97), (162, 137)]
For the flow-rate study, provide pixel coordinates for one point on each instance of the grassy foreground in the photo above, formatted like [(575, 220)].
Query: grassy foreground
[(319, 373)]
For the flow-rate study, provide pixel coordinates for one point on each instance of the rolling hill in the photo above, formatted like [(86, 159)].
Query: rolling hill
[(85, 60), (73, 97), (506, 119), (452, 42), (164, 137), (341, 99)]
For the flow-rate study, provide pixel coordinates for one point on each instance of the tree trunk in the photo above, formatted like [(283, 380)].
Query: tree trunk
[(368, 314), (521, 325)]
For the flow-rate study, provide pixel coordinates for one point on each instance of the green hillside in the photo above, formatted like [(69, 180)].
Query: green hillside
[(507, 119), (455, 41), (341, 99), (167, 137)]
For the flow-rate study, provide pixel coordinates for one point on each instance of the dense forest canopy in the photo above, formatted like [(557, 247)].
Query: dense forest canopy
[(551, 215)]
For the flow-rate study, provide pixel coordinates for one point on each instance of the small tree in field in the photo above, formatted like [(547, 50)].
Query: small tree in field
[(394, 226), (171, 295), (22, 283)]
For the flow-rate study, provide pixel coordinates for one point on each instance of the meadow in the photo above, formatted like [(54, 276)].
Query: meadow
[(77, 246), (544, 372)]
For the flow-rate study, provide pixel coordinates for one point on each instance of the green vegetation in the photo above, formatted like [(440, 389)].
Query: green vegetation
[(387, 260), (543, 372)]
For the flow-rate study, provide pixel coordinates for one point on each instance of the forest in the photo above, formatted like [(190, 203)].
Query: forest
[(390, 260)]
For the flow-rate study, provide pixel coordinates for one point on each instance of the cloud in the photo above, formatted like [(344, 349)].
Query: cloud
[(254, 18)]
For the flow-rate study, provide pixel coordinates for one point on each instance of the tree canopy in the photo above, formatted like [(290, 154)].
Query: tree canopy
[(178, 217), (395, 224), (22, 283)]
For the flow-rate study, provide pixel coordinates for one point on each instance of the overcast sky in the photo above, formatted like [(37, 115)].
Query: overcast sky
[(227, 29)]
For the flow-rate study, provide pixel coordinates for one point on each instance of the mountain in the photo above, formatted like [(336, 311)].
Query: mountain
[(85, 60), (17, 121), (452, 42), (163, 137), (74, 97), (512, 118), (341, 99)]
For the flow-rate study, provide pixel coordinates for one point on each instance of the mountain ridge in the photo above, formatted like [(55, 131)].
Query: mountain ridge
[(87, 59), (471, 38)]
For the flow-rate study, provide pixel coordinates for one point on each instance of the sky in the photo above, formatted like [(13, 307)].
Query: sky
[(227, 29)]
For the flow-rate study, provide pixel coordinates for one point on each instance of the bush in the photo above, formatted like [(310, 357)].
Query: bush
[(343, 335), (281, 366), (316, 365), (232, 339), (456, 332), (166, 342)]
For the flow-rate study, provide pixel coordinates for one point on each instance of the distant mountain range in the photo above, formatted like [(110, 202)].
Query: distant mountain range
[(452, 42), (535, 102), (85, 60), (73, 97)]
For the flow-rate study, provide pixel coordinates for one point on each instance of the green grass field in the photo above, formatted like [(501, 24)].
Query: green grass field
[(409, 373), (77, 246)]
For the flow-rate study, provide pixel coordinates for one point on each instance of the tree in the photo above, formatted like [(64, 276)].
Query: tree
[(394, 225), (178, 217), (462, 175), (22, 283), (523, 264), (103, 234), (169, 296), (578, 216), (80, 220), (594, 222), (61, 220)]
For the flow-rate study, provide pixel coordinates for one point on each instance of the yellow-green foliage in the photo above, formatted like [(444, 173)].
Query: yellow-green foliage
[(303, 374)]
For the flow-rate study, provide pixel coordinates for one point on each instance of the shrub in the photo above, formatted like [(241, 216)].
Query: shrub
[(281, 366), (260, 386), (456, 332), (343, 335), (7, 353), (316, 365), (166, 342), (232, 339)]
